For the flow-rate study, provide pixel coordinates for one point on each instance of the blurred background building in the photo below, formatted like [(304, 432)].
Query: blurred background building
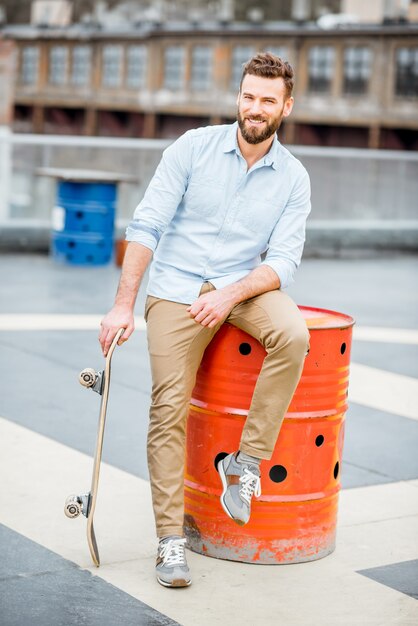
[(154, 69)]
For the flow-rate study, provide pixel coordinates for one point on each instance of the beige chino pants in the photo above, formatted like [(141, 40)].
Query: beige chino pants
[(176, 345)]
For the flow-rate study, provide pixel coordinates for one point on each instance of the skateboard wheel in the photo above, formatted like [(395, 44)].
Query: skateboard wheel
[(73, 506), (87, 377)]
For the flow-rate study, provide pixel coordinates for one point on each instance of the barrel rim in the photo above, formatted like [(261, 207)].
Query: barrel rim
[(349, 321)]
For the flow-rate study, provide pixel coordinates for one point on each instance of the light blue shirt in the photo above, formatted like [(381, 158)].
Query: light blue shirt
[(208, 218)]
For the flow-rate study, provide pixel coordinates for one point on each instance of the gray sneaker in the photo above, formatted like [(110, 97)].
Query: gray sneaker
[(240, 482), (171, 567)]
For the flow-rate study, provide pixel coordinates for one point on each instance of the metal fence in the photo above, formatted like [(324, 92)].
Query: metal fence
[(351, 188)]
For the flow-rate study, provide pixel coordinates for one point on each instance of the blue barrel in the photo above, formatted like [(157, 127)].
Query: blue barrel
[(83, 222)]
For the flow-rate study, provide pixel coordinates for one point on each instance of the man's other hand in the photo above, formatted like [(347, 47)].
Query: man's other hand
[(212, 308), (118, 317)]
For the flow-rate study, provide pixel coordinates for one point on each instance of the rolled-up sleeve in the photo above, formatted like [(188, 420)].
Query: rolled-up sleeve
[(163, 195), (288, 236)]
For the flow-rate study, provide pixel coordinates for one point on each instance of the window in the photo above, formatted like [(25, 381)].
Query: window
[(58, 63), (112, 66), (174, 60), (29, 65), (240, 55), (137, 66), (81, 66), (321, 68), (357, 65), (201, 74), (407, 72)]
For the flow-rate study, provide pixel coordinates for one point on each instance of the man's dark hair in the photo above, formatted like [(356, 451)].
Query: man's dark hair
[(267, 65)]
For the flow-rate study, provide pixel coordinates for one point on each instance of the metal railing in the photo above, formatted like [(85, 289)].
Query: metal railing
[(349, 186)]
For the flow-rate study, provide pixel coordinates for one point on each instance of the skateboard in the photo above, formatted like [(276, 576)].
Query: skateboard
[(86, 503)]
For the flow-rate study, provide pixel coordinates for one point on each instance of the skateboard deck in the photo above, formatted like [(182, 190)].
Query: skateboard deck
[(86, 503)]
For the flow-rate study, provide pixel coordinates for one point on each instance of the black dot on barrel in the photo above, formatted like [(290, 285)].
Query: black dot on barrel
[(218, 458), (70, 244), (319, 440), (245, 348), (343, 347), (79, 215), (278, 473), (89, 258), (336, 469)]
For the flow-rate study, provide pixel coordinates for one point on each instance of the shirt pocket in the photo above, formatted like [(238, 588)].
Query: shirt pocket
[(259, 216), (204, 196)]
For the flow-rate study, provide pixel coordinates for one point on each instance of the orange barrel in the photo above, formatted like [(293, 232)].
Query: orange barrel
[(295, 518), (120, 249)]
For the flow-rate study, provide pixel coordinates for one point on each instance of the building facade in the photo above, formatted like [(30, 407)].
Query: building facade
[(356, 85)]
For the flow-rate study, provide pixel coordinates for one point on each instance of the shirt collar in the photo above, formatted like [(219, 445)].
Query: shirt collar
[(231, 144), (230, 141)]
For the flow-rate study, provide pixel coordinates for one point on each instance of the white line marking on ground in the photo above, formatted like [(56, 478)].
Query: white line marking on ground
[(225, 592), (384, 390), (59, 321), (386, 335), (18, 322)]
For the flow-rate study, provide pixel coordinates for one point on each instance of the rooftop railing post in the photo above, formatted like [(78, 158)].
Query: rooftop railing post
[(7, 67), (5, 172)]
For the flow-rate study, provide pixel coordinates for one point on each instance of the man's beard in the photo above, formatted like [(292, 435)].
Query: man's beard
[(256, 135)]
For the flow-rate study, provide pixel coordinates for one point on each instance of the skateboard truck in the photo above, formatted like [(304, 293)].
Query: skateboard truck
[(74, 505), (86, 503), (92, 380)]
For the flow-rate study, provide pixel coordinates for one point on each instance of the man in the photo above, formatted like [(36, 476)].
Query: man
[(221, 197)]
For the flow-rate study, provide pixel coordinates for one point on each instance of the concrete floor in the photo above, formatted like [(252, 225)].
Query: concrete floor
[(49, 317)]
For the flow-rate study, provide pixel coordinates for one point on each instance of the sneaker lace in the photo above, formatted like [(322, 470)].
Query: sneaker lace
[(250, 485), (172, 552)]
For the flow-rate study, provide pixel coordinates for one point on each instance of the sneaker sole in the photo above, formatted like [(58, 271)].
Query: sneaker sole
[(175, 583), (225, 487)]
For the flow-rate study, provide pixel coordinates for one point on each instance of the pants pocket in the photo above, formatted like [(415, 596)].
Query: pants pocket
[(148, 304)]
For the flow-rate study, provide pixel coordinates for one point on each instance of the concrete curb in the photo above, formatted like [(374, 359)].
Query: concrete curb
[(324, 238), (328, 238)]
